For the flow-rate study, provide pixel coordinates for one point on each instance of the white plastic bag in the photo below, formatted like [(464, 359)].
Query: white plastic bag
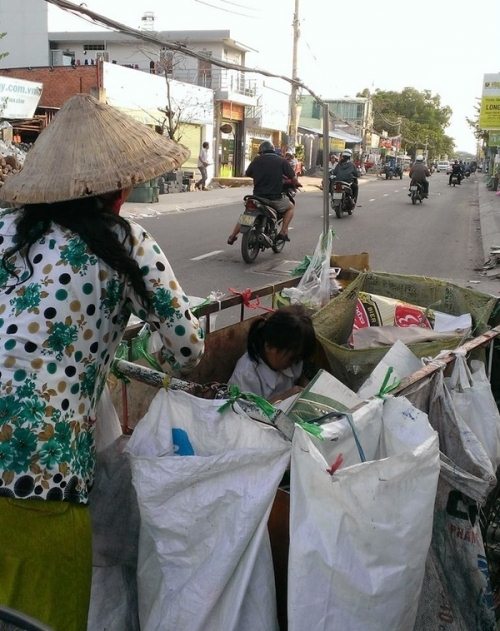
[(205, 482), (314, 287), (474, 401), (359, 538), (107, 427)]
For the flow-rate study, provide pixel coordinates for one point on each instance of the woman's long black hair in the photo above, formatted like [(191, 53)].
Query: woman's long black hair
[(94, 221), (288, 329)]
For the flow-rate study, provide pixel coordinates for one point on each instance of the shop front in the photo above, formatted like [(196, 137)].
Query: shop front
[(231, 135)]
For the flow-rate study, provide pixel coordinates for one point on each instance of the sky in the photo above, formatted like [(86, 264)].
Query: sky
[(446, 47)]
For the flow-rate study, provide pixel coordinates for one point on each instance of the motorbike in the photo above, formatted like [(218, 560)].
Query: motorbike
[(467, 172), (455, 179), (417, 192), (341, 198), (260, 225), (393, 171)]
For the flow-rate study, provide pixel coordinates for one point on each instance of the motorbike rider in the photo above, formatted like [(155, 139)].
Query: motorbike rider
[(456, 171), (345, 171), (268, 171), (419, 173)]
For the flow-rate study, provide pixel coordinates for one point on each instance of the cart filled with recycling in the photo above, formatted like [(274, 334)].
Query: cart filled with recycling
[(360, 503)]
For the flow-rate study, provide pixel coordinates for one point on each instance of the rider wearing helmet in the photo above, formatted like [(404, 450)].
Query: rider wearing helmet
[(456, 171), (419, 174), (345, 170), (268, 171)]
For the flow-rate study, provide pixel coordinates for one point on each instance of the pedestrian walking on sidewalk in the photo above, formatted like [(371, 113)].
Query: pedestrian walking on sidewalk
[(203, 162)]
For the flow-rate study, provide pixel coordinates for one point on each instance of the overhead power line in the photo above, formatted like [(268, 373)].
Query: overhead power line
[(214, 6)]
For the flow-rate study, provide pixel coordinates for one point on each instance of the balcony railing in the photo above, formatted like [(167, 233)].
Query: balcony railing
[(217, 79)]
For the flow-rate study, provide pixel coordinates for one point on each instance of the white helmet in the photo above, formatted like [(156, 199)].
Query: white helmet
[(419, 159), (347, 153)]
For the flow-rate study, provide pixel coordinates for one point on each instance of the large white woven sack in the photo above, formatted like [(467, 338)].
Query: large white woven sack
[(359, 538), (205, 483)]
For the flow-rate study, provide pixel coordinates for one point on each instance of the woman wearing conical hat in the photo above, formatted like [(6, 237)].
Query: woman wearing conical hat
[(71, 273)]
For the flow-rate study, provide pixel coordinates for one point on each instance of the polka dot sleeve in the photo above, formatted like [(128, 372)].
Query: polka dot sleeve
[(169, 314)]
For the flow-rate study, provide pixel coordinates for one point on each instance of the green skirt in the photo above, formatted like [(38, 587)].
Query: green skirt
[(46, 561)]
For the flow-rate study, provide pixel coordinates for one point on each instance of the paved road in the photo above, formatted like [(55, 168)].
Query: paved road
[(440, 238)]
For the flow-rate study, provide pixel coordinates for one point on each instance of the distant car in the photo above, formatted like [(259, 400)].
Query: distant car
[(442, 166)]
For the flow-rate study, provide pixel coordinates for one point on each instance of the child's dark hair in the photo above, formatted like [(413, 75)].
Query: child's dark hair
[(289, 328)]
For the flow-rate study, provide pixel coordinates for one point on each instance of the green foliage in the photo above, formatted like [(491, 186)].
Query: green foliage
[(480, 134), (418, 116)]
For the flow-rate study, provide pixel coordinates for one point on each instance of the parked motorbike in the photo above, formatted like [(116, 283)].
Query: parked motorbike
[(341, 197), (417, 192), (260, 224)]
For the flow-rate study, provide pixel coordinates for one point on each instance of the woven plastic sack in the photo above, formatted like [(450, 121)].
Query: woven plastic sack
[(205, 481), (456, 594), (115, 528), (474, 401), (359, 535), (333, 323)]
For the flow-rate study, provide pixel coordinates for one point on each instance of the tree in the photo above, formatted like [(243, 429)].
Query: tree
[(480, 134), (418, 116), (175, 113)]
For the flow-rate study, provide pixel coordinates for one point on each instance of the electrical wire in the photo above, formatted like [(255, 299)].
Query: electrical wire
[(243, 6), (214, 6)]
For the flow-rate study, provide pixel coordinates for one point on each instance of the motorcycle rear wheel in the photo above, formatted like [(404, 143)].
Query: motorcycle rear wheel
[(250, 246), (338, 211), (414, 199)]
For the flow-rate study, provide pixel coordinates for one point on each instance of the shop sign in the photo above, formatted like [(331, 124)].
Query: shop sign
[(336, 144), (233, 111), (19, 98), (494, 139), (489, 115)]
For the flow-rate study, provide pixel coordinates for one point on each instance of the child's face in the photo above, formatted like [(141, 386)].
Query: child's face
[(278, 358)]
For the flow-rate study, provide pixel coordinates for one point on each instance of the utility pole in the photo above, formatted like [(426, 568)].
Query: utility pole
[(292, 130)]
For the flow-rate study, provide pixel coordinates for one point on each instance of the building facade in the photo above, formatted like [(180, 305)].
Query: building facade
[(233, 90)]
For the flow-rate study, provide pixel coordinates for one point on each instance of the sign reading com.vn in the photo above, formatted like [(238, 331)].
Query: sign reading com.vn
[(18, 98), (489, 116)]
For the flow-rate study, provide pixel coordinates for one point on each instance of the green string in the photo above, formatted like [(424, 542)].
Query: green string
[(234, 393), (387, 387), (122, 352), (139, 349)]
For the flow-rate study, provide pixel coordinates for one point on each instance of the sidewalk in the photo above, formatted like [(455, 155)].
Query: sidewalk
[(489, 217), (216, 196)]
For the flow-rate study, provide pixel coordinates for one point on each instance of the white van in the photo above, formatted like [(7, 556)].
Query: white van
[(442, 166)]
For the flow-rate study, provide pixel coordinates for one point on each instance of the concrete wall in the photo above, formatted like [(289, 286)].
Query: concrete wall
[(26, 41)]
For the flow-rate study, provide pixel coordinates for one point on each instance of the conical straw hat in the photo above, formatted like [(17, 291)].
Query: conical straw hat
[(88, 149)]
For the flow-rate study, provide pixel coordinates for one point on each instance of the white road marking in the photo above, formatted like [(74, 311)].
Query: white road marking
[(386, 194), (205, 256), (372, 199)]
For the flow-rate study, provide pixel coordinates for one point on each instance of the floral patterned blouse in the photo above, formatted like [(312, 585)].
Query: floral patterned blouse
[(59, 330)]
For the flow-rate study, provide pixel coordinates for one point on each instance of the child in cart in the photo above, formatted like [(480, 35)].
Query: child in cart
[(277, 347)]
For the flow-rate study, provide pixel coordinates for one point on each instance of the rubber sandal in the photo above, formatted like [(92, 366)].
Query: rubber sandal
[(282, 237)]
